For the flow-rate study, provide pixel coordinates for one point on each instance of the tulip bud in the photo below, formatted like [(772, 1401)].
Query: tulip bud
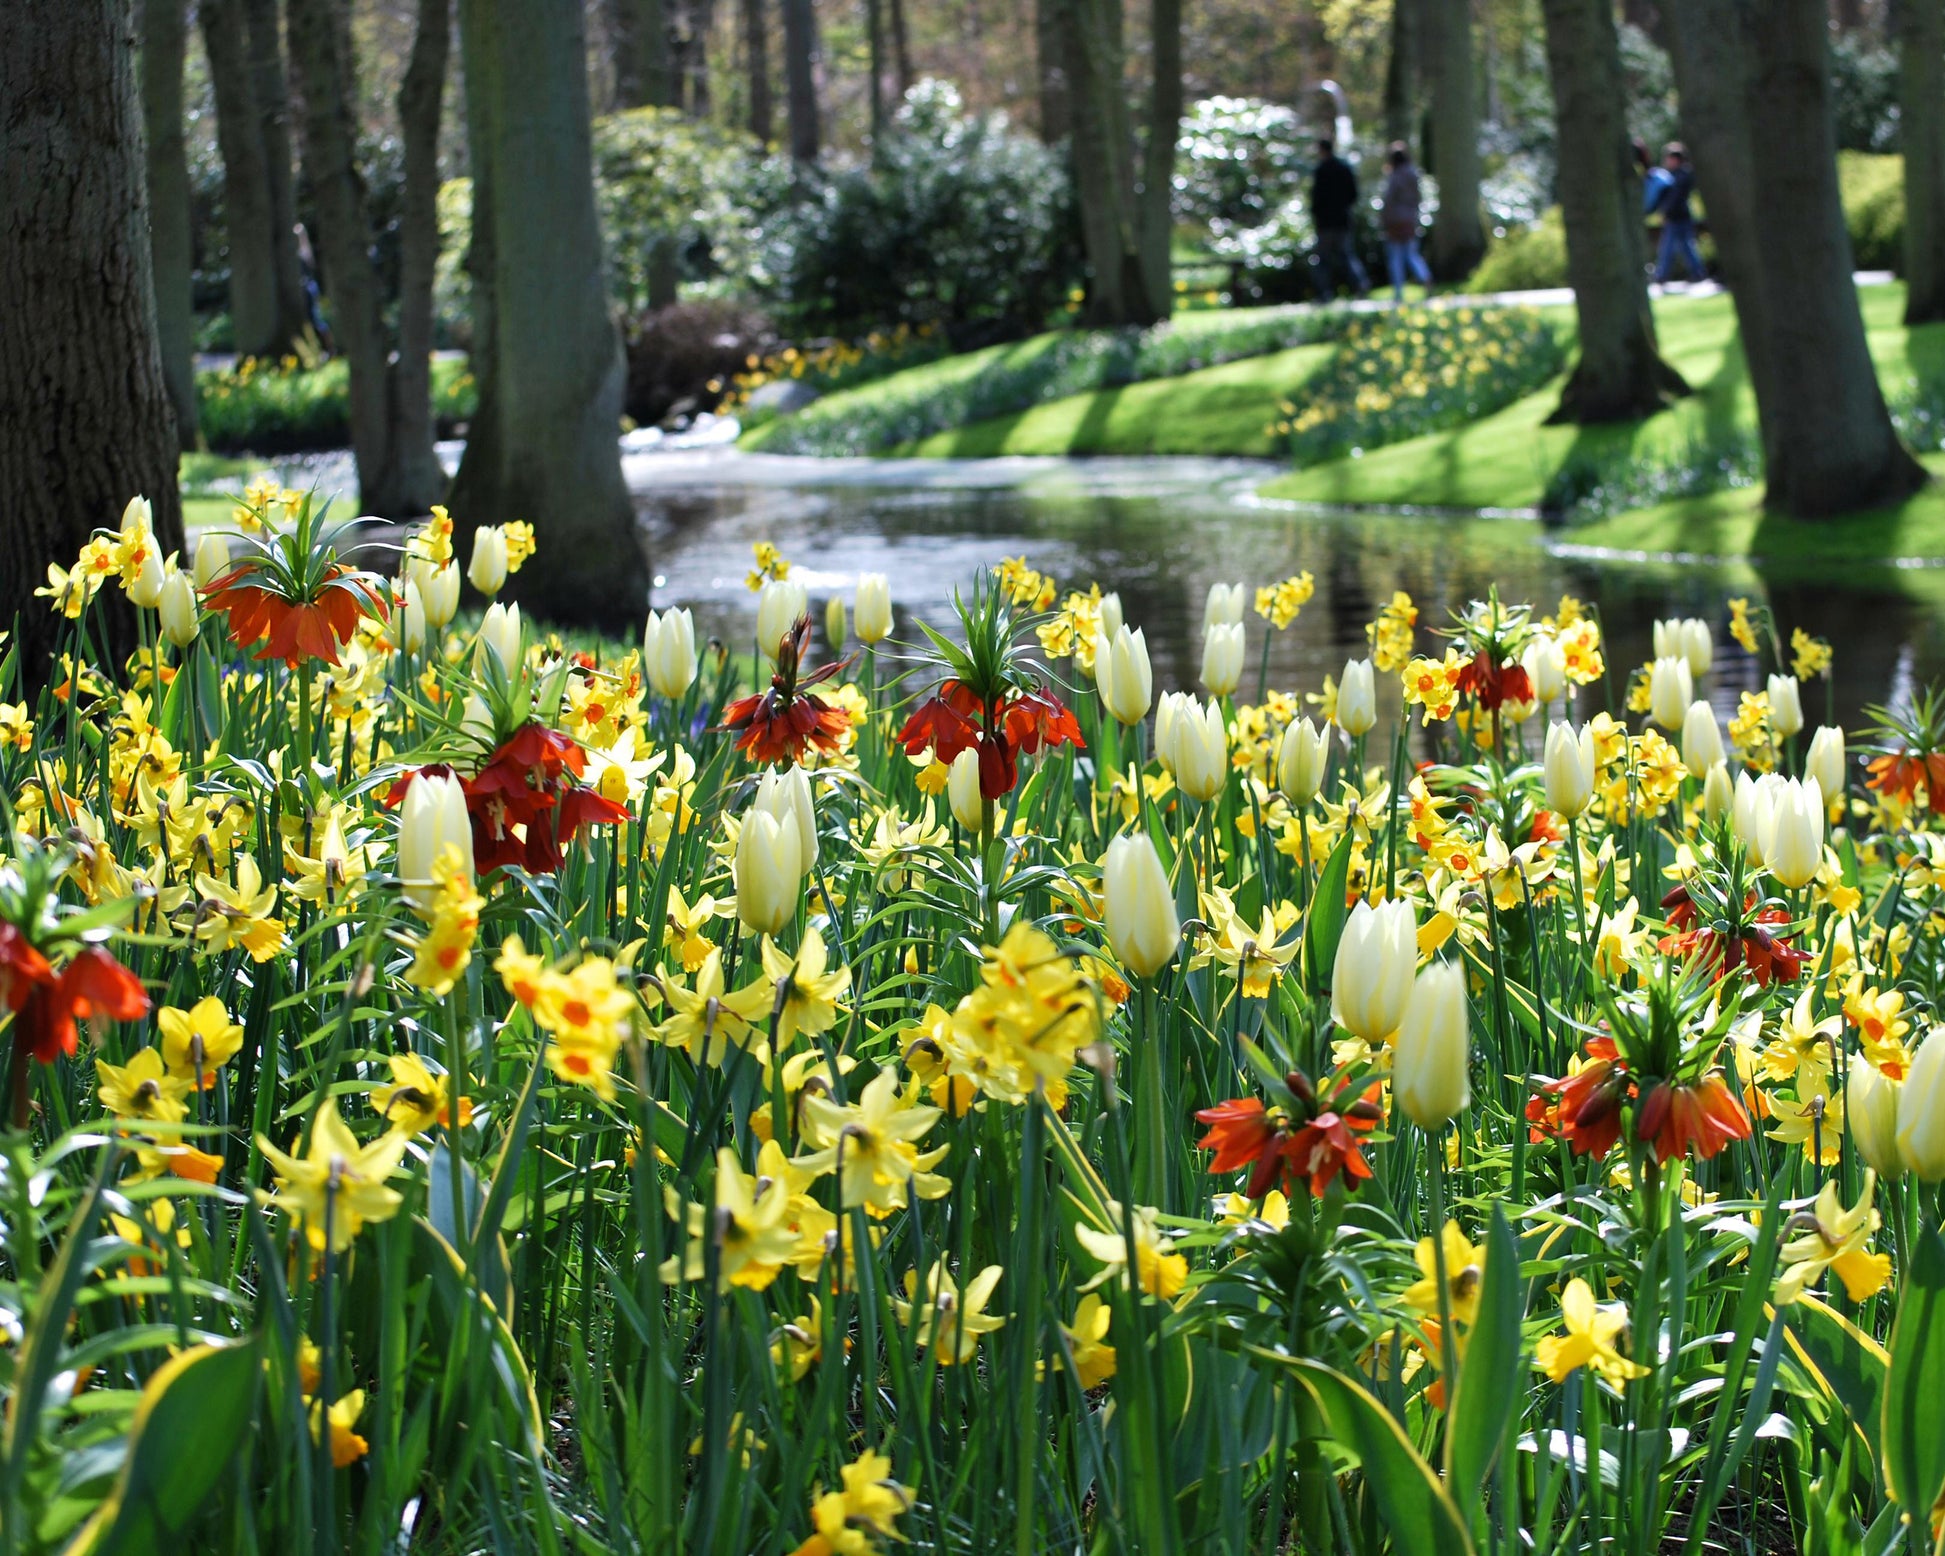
[(212, 558), (1168, 712), (1223, 607), (1671, 688), (1871, 1111), (1371, 980), (145, 588), (1140, 907), (1546, 669), (778, 608), (1698, 646), (1357, 698), (873, 614), (1201, 749), (962, 790), (786, 795), (408, 620), (1222, 657), (431, 819), (1701, 738), (489, 566), (834, 625), (1785, 705), (177, 608), (500, 636), (1122, 676), (769, 871), (1429, 1055), (1793, 833), (1827, 762), (438, 589), (1110, 616), (476, 721), (1301, 760), (669, 652), (1718, 793), (139, 513), (1569, 769), (1921, 1109)]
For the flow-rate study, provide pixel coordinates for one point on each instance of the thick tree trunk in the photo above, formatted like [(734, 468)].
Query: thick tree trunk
[(1620, 375), (416, 471), (164, 41), (1102, 152), (272, 95), (800, 76), (874, 26), (1156, 204), (641, 32), (85, 422), (544, 446), (1056, 118), (1921, 127), (394, 479), (1458, 237), (756, 58), (1402, 71), (247, 215), (1755, 92), (901, 48), (699, 23)]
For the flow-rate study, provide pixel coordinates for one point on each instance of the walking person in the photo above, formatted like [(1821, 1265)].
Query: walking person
[(1668, 197), (1399, 216), (1333, 202)]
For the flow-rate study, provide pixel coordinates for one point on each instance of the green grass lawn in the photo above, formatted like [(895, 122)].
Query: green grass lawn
[(1219, 410)]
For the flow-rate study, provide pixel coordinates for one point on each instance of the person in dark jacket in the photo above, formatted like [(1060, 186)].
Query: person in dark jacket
[(1333, 200), (1668, 197), (1399, 215)]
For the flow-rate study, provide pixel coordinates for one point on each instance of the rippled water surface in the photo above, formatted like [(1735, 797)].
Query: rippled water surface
[(1161, 531)]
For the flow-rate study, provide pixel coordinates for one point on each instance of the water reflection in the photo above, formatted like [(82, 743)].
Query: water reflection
[(1162, 531)]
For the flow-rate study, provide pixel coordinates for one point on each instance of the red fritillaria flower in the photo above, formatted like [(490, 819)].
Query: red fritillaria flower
[(778, 725), (1492, 683), (1703, 1117), (293, 630), (955, 720), (22, 968), (1769, 957), (1244, 1133), (1587, 1104), (92, 987)]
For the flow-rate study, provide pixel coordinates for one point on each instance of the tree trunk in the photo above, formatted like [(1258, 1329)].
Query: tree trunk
[(1458, 238), (1755, 94), (901, 49), (395, 478), (85, 421), (1103, 178), (1156, 199), (700, 17), (1402, 71), (874, 14), (1056, 119), (1921, 127), (272, 94), (419, 477), (800, 76), (544, 446), (164, 41), (1620, 375), (641, 33), (756, 54), (247, 216)]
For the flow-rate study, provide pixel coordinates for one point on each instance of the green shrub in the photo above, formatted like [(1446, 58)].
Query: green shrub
[(1526, 259), (1410, 371), (1873, 194), (264, 407), (1002, 382)]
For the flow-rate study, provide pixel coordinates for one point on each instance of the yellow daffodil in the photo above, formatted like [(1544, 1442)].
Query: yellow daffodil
[(199, 1041), (1465, 1267), (949, 1320), (141, 1089), (416, 1099), (1589, 1340), (806, 995), (1162, 1272), (337, 1185), (871, 1145), (1837, 1238)]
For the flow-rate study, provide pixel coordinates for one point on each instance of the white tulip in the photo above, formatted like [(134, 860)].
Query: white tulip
[(872, 614), (1139, 906), (962, 790), (768, 870), (1201, 749), (1122, 675), (1222, 657), (1546, 669), (1827, 762), (779, 607), (786, 795), (500, 635), (1569, 768), (669, 652), (1671, 688), (1429, 1057), (408, 620), (431, 819), (1110, 612), (1301, 760), (1793, 833), (177, 609), (1785, 705), (1718, 794), (1357, 698), (488, 571), (1701, 738), (212, 558), (1224, 606), (1371, 979)]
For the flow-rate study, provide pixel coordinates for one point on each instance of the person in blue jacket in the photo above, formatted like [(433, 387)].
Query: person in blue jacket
[(1666, 193)]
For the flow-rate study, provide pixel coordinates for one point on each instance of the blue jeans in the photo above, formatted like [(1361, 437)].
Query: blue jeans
[(1678, 238), (1402, 259)]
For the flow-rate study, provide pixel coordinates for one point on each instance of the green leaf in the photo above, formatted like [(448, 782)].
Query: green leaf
[(1326, 925), (193, 1418), (1491, 1380), (1416, 1508), (1914, 1425), (1845, 1361)]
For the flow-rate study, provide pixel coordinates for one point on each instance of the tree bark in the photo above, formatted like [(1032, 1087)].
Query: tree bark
[(399, 475), (1458, 237), (271, 92), (1056, 118), (901, 49), (641, 32), (247, 215), (1755, 94), (544, 445), (1620, 375), (85, 420), (756, 55), (699, 23), (1402, 71), (415, 463), (1156, 197), (1921, 61), (1117, 291), (800, 77), (164, 43), (874, 13)]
